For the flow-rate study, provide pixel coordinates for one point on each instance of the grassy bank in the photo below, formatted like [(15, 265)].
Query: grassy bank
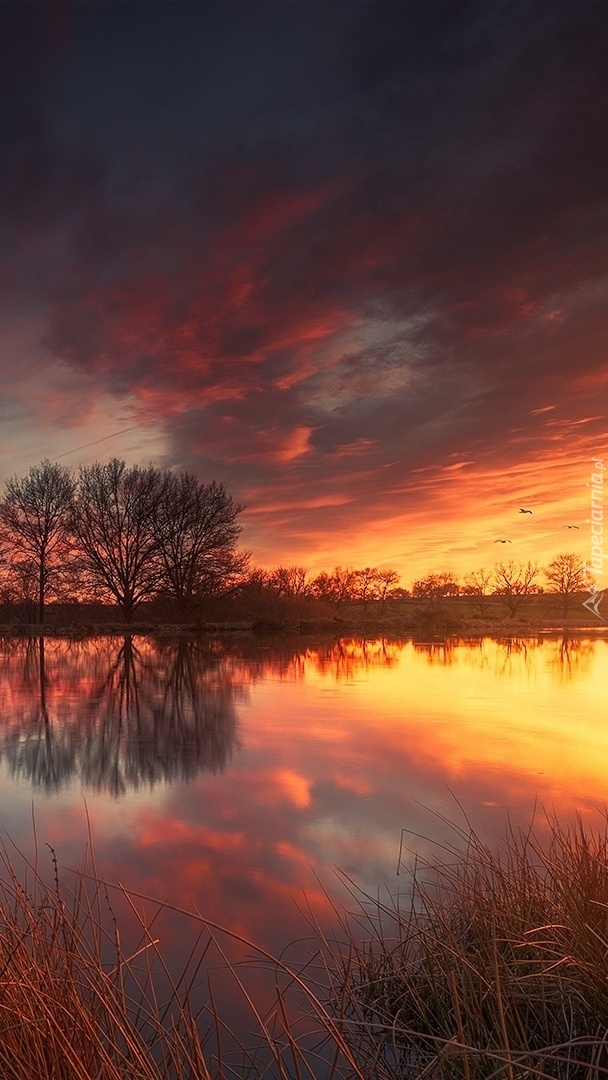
[(497, 967), (75, 1006), (463, 615)]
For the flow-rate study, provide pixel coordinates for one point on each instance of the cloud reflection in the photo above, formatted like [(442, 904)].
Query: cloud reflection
[(116, 713), (281, 761)]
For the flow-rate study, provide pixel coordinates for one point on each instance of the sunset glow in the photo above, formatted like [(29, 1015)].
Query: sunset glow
[(349, 259)]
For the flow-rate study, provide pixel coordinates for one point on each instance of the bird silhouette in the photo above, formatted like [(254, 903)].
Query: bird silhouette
[(503, 541), (522, 511), (569, 526)]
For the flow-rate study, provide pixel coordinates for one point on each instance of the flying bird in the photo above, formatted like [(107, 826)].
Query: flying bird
[(503, 541), (522, 511), (569, 526)]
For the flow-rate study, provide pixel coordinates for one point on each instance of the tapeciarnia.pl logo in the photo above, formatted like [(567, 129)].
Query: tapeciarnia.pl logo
[(596, 521)]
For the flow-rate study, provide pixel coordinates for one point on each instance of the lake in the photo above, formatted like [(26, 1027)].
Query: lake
[(251, 780)]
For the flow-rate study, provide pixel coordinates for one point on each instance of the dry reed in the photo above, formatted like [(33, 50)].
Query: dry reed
[(496, 968), (74, 1006)]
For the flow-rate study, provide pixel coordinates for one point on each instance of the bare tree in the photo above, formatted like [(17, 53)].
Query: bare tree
[(436, 586), (567, 577), (399, 593), (35, 515), (197, 532), (515, 582), (5, 588), (372, 584), (477, 586), (385, 586), (257, 581), (335, 588), (115, 520), (291, 581), (256, 597), (20, 588), (366, 585)]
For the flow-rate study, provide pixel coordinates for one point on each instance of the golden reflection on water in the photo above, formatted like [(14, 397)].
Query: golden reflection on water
[(125, 713), (234, 773), (524, 718)]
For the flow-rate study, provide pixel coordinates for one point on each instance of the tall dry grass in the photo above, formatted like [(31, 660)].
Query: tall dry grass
[(496, 967), (75, 1006), (72, 1006)]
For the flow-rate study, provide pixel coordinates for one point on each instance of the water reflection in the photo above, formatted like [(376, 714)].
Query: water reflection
[(116, 713), (572, 660), (566, 657), (121, 713), (261, 766), (345, 658)]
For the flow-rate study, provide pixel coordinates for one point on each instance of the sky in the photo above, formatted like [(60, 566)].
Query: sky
[(348, 258)]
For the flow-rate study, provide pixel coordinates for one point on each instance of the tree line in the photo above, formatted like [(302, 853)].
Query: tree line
[(117, 533), (512, 581), (113, 533)]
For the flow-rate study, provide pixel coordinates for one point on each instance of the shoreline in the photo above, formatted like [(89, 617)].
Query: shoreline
[(337, 628)]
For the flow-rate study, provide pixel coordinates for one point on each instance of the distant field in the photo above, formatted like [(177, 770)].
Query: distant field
[(544, 610), (449, 614)]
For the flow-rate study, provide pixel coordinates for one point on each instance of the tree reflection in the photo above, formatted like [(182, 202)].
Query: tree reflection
[(33, 749), (122, 713), (347, 657), (566, 658), (289, 659), (117, 714), (570, 658), (441, 653)]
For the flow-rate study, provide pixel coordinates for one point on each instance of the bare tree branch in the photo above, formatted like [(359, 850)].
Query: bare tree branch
[(35, 513)]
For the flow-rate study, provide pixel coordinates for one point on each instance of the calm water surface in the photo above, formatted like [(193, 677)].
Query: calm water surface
[(236, 776)]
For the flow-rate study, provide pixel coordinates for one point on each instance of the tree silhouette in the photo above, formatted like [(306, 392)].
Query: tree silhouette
[(197, 533), (35, 515), (514, 582), (115, 521), (436, 586), (567, 576), (335, 588), (477, 585), (290, 581)]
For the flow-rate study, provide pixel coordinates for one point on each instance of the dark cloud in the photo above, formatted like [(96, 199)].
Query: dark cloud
[(319, 245)]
